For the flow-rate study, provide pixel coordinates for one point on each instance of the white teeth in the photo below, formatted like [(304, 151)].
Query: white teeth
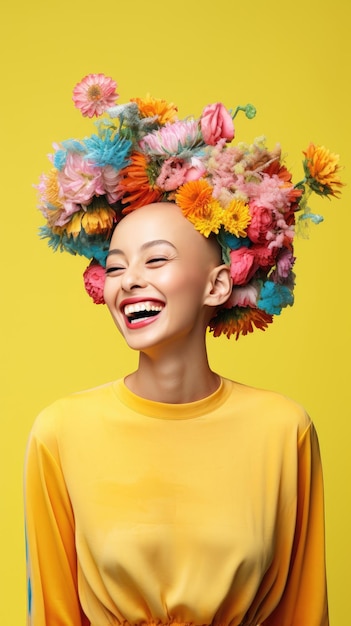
[(129, 309)]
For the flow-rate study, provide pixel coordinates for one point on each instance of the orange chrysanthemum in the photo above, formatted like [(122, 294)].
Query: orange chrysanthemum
[(136, 185), (198, 205), (149, 107), (321, 168), (239, 321)]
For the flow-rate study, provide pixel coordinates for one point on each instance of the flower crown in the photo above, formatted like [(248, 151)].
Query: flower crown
[(142, 153)]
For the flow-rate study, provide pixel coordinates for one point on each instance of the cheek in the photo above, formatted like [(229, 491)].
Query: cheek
[(110, 292), (172, 282), (185, 286)]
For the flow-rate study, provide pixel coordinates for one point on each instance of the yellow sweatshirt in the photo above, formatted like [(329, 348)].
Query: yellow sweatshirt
[(145, 513)]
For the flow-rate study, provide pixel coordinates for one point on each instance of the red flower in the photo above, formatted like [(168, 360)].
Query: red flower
[(94, 281), (261, 222), (243, 265)]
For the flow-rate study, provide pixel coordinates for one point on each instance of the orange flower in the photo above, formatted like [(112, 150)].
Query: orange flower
[(321, 167), (149, 107), (199, 206), (135, 186), (239, 321)]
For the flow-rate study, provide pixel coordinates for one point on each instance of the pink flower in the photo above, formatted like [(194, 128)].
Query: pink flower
[(285, 262), (79, 180), (110, 178), (94, 94), (261, 222), (216, 123), (63, 217), (282, 234), (175, 172), (244, 296), (268, 191), (171, 139), (94, 280), (243, 265)]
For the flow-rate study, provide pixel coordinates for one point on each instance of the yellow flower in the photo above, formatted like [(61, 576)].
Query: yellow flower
[(95, 220), (49, 195), (236, 218), (98, 220), (148, 107), (321, 168), (206, 226), (52, 189), (199, 206), (74, 226)]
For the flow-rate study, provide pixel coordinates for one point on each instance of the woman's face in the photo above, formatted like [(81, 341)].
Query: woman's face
[(158, 277)]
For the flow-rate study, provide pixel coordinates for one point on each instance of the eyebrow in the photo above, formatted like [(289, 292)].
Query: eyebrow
[(145, 246)]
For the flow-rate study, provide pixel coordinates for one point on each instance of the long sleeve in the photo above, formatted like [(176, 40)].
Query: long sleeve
[(51, 556), (304, 601), (132, 505)]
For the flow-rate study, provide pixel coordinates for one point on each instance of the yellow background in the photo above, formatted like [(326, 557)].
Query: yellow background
[(292, 60)]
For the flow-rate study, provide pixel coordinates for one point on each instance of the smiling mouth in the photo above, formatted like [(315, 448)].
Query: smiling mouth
[(141, 310)]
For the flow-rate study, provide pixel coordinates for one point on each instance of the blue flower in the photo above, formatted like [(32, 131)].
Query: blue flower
[(106, 151), (274, 297), (60, 156), (89, 246), (234, 243)]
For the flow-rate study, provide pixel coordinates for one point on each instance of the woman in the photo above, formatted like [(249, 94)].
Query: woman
[(175, 496)]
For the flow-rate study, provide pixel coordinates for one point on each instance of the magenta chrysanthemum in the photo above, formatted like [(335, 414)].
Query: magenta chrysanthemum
[(94, 94)]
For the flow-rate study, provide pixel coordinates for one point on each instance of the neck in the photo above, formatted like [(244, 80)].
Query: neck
[(174, 378)]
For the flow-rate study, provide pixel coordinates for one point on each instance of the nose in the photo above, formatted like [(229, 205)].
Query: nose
[(132, 278)]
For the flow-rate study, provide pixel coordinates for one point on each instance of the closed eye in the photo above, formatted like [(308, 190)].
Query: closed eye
[(114, 269), (159, 260)]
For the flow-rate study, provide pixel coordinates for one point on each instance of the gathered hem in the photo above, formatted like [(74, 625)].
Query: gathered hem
[(177, 622)]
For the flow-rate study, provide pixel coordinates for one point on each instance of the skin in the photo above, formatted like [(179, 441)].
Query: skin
[(158, 259)]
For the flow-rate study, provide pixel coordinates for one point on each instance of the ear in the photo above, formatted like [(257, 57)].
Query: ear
[(219, 286)]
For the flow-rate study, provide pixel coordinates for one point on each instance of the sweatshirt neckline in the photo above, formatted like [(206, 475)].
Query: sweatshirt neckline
[(165, 411)]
